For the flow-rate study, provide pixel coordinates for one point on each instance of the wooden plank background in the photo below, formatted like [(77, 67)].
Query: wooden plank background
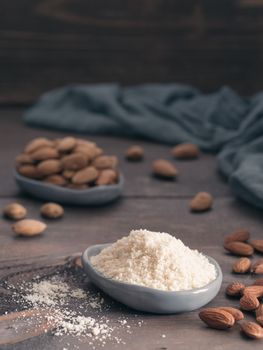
[(208, 43)]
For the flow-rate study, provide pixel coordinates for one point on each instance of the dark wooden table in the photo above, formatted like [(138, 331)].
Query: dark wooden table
[(146, 203)]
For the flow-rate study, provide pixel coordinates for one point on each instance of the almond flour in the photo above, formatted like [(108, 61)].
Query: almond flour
[(155, 260)]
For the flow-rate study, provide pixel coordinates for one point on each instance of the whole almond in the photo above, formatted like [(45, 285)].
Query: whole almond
[(202, 201), (257, 267), (74, 161), (105, 162), (239, 235), (30, 171), (242, 265), (186, 151), (49, 167), (85, 142), (37, 143), (236, 313), (249, 302), (239, 248), (164, 169), (258, 282), (252, 330), (134, 153), (235, 289), (68, 174), (257, 244), (15, 211), (52, 210), (254, 290), (86, 175), (23, 159), (90, 151), (44, 153), (216, 318), (259, 314), (66, 144), (107, 177), (28, 227), (56, 180)]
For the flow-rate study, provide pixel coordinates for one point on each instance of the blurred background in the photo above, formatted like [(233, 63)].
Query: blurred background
[(45, 44)]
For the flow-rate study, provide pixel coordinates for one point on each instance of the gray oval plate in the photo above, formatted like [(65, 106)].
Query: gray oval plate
[(92, 196), (149, 299)]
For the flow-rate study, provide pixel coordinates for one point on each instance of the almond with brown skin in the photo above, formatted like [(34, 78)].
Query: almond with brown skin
[(52, 210), (105, 162), (257, 267), (242, 265), (236, 313), (29, 227), (37, 143), (15, 211), (68, 174), (249, 302), (23, 159), (44, 153), (56, 180), (235, 289), (107, 177), (164, 169), (239, 248), (134, 153), (216, 318), (201, 202), (186, 151), (259, 314), (252, 330), (74, 161), (239, 235), (30, 171), (86, 175), (258, 282), (90, 151), (66, 144), (254, 290), (49, 167), (257, 244)]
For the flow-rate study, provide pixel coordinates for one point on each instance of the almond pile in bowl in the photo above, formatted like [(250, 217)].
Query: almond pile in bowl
[(70, 162)]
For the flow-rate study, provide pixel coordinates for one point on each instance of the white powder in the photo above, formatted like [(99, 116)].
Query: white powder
[(155, 260)]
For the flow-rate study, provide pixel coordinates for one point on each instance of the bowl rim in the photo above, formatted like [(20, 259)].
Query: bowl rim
[(46, 185), (86, 262)]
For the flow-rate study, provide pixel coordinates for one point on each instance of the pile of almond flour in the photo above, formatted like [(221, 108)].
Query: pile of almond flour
[(75, 312)]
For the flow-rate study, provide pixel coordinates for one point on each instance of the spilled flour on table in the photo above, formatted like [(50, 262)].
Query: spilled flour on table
[(74, 311)]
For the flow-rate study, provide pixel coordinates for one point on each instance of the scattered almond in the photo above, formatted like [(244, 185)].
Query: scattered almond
[(235, 289), (86, 175), (202, 201), (52, 210), (134, 153), (15, 211), (252, 330), (29, 227), (186, 151), (236, 313), (242, 265), (258, 282), (30, 171), (37, 143), (254, 290), (49, 167), (164, 169), (240, 236), (66, 144), (56, 179), (107, 177), (249, 302), (217, 318), (239, 248), (74, 161), (105, 162), (257, 244), (259, 314), (257, 267)]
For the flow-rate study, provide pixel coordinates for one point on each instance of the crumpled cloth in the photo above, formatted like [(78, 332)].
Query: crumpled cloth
[(220, 122)]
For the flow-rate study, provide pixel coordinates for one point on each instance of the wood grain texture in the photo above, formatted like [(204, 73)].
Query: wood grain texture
[(49, 43)]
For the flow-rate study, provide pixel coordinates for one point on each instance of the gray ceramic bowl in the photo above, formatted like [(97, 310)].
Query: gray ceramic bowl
[(92, 196), (149, 299)]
